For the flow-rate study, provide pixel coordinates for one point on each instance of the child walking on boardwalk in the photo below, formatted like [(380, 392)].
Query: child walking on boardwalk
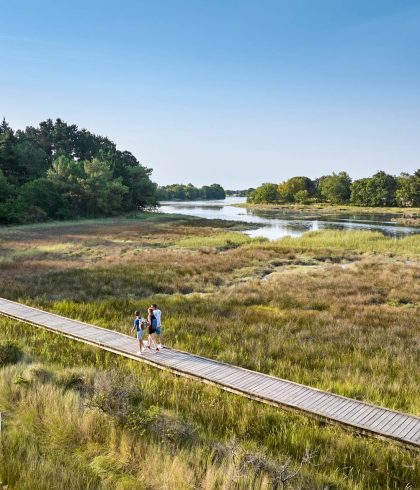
[(139, 327)]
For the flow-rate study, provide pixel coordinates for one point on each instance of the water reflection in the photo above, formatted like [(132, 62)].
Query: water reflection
[(280, 223)]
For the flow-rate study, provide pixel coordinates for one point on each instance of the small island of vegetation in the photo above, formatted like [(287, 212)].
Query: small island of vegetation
[(188, 192)]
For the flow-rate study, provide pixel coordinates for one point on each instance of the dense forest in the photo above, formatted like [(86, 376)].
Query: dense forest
[(188, 192), (57, 171), (380, 190)]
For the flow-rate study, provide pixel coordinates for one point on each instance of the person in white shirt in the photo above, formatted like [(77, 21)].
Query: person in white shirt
[(158, 316)]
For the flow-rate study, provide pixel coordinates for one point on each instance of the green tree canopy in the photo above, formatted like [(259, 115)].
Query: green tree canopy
[(214, 191), (408, 190), (44, 195), (335, 188), (182, 192), (8, 159), (57, 170), (381, 189), (265, 193), (288, 189), (6, 188), (378, 190)]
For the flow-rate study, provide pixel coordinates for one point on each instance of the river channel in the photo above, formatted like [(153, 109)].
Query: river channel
[(275, 224)]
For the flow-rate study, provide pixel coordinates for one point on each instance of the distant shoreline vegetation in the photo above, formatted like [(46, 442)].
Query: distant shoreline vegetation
[(240, 193), (380, 190), (58, 171), (188, 192)]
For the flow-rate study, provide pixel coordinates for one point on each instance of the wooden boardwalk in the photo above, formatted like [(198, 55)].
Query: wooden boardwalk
[(363, 417)]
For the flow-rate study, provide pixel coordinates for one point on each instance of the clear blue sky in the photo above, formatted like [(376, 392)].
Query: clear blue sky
[(235, 92)]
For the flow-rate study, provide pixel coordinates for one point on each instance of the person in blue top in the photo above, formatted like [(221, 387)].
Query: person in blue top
[(139, 327)]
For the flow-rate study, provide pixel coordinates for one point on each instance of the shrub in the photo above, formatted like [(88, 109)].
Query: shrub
[(302, 197), (74, 379), (10, 353), (115, 394), (163, 426), (37, 372)]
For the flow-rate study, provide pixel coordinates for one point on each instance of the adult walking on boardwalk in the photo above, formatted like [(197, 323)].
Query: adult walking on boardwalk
[(152, 324), (158, 315)]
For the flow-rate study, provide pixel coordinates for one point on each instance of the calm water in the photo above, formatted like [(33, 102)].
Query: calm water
[(280, 223)]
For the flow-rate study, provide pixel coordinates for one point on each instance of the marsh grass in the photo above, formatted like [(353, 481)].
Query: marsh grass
[(361, 241), (349, 326), (300, 329), (220, 241), (136, 411)]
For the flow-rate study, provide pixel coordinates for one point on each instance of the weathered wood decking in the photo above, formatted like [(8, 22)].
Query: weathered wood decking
[(363, 417)]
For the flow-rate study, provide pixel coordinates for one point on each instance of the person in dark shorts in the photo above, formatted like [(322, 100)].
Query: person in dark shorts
[(139, 327), (152, 324)]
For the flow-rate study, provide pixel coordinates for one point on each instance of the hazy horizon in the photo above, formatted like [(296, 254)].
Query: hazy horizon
[(237, 93)]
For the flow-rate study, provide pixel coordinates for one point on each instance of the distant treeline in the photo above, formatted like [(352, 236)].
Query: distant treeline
[(240, 193), (381, 189), (188, 192), (58, 171)]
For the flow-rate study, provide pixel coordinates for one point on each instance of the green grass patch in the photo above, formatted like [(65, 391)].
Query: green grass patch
[(359, 241), (219, 241), (327, 208)]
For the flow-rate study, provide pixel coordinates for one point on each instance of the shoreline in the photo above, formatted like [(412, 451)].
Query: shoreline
[(141, 216), (404, 216)]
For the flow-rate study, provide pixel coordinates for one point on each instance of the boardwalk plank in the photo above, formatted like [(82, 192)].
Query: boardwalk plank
[(416, 436), (386, 423), (413, 431), (371, 417), (305, 398), (387, 416), (331, 408), (359, 413), (266, 384), (316, 400), (289, 392), (235, 380), (341, 402), (408, 428), (350, 408), (207, 369), (397, 430), (396, 422), (322, 405), (244, 384)]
